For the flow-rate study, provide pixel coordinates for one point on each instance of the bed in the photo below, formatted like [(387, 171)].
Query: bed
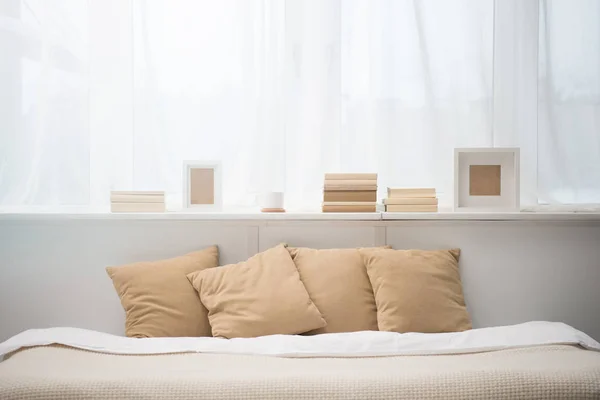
[(536, 360)]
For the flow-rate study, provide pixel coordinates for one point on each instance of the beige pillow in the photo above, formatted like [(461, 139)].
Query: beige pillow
[(158, 298), (337, 282), (417, 290), (257, 297)]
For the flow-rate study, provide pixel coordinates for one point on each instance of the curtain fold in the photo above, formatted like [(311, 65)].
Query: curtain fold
[(115, 95), (569, 102), (44, 141)]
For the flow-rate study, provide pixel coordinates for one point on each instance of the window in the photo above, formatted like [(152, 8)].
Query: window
[(115, 95)]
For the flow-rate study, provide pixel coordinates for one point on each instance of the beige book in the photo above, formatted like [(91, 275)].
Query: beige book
[(350, 176), (137, 207), (411, 192), (130, 198), (350, 188), (350, 182), (411, 208), (137, 192), (411, 201), (349, 203), (349, 208), (350, 195)]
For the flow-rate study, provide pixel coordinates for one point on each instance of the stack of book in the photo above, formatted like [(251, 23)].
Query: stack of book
[(411, 200), (137, 201), (350, 193)]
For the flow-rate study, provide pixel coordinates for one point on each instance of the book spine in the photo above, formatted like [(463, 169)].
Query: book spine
[(411, 201), (344, 195), (350, 182), (349, 209), (349, 188), (127, 198), (410, 193), (137, 207), (413, 208), (351, 176), (350, 203)]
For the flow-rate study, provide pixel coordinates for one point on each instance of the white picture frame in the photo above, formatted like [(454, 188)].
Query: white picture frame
[(196, 197), (502, 194)]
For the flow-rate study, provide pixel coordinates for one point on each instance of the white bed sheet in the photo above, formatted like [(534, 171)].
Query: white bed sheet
[(355, 344)]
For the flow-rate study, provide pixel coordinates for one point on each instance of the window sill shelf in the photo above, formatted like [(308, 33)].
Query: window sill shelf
[(302, 216)]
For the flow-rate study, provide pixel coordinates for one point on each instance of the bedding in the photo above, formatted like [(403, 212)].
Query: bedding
[(538, 360), (417, 290)]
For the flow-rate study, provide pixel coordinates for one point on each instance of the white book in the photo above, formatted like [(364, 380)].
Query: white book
[(137, 207), (130, 198)]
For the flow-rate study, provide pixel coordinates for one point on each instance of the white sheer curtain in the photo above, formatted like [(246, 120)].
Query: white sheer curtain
[(569, 102), (109, 94), (282, 92), (208, 85), (44, 137)]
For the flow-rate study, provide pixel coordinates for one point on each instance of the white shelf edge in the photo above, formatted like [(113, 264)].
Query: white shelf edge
[(201, 216), (493, 216), (305, 216)]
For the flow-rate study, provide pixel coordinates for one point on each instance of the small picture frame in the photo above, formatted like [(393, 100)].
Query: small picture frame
[(486, 179), (202, 185)]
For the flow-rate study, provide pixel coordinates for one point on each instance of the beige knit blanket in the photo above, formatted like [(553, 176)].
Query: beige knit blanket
[(61, 373)]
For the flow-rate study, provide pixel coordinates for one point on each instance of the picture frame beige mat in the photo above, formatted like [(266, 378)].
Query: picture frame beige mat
[(202, 186), (487, 179)]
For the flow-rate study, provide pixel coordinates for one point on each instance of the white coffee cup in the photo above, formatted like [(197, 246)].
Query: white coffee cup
[(271, 200)]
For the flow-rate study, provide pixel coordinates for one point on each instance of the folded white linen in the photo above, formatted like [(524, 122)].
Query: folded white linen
[(355, 344)]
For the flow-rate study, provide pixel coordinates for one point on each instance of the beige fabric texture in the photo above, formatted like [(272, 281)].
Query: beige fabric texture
[(158, 298), (536, 373), (417, 290), (338, 284), (257, 297)]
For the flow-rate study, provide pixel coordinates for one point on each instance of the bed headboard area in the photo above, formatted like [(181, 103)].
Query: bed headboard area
[(53, 270)]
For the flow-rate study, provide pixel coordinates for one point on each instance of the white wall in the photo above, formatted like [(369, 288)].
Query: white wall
[(52, 271)]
